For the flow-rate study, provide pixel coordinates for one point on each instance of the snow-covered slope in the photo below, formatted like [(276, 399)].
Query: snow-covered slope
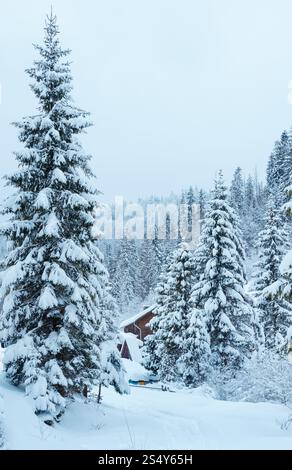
[(148, 419)]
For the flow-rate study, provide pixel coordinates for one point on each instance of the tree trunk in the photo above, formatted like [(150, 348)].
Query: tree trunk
[(99, 394)]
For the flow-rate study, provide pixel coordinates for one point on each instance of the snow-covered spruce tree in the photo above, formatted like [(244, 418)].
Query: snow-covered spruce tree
[(275, 314), (157, 246), (165, 347), (125, 279), (190, 200), (202, 201), (237, 192), (242, 200), (251, 219), (54, 273), (282, 288), (279, 169), (112, 372), (220, 290), (151, 358), (195, 360), (148, 268), (183, 217)]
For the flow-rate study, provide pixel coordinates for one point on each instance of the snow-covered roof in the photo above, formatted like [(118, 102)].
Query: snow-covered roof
[(133, 319), (134, 346)]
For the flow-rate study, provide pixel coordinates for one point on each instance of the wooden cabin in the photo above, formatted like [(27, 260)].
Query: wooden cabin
[(133, 333), (139, 324)]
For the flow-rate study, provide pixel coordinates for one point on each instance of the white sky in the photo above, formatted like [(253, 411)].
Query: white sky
[(176, 88)]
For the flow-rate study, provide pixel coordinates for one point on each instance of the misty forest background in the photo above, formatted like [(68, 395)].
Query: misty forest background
[(135, 265)]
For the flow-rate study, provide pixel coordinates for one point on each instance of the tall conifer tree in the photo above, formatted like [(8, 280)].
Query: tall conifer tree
[(54, 275), (275, 314), (164, 349), (220, 289)]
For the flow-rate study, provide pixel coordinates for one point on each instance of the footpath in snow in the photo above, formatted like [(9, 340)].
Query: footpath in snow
[(147, 419)]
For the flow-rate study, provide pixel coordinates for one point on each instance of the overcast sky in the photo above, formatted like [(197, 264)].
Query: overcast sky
[(176, 88)]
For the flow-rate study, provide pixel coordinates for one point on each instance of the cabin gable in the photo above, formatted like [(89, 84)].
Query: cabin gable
[(138, 326)]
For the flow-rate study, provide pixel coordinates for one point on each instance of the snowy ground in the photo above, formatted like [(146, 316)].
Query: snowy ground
[(148, 419)]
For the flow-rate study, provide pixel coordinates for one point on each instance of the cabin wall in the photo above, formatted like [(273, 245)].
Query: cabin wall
[(142, 324), (140, 328), (132, 329)]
